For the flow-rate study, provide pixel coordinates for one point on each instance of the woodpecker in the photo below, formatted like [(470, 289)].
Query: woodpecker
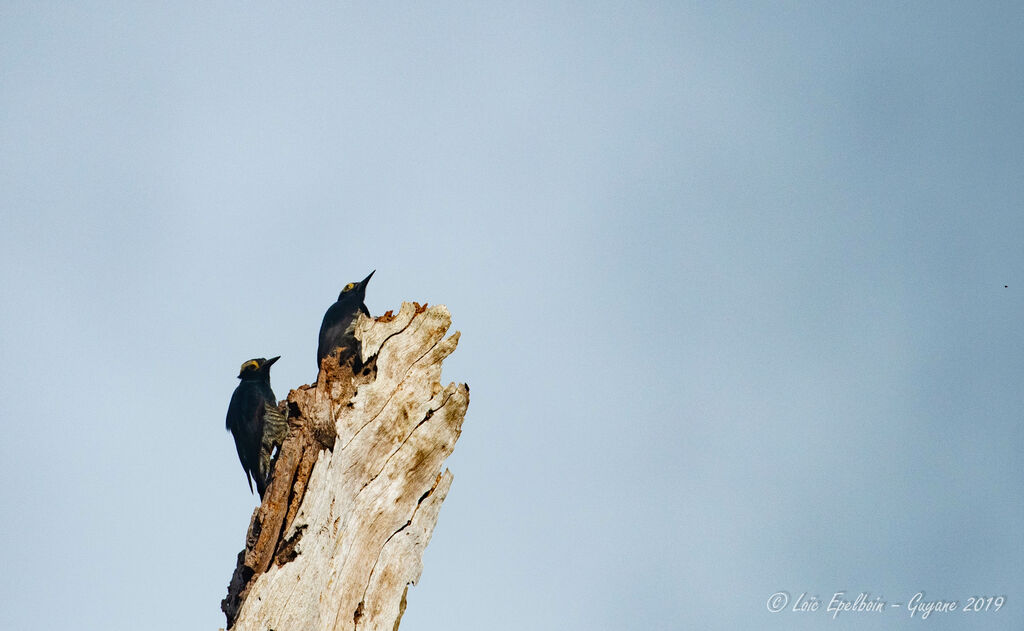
[(255, 421), (337, 329)]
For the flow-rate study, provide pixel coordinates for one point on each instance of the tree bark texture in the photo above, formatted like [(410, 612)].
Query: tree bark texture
[(357, 486)]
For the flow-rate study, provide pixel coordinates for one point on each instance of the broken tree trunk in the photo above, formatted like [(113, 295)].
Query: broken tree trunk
[(357, 485)]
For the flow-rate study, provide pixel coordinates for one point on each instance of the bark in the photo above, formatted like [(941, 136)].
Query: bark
[(357, 485)]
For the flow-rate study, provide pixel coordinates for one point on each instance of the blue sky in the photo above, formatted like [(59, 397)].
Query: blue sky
[(739, 285)]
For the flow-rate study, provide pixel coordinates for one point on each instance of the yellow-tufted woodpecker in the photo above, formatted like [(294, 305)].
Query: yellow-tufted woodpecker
[(337, 329), (255, 421)]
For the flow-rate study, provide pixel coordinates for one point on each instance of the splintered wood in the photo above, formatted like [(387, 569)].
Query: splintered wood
[(357, 487)]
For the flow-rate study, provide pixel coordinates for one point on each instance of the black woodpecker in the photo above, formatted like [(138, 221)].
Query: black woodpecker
[(339, 323), (255, 421)]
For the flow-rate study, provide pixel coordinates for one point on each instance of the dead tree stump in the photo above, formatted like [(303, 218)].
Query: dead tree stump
[(357, 485)]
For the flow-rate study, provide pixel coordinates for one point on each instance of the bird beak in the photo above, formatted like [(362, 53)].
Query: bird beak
[(270, 362), (366, 280)]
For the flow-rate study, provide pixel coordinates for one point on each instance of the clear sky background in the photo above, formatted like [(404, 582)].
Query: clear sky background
[(730, 278)]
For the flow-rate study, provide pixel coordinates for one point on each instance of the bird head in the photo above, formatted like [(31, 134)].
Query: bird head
[(355, 289), (258, 368)]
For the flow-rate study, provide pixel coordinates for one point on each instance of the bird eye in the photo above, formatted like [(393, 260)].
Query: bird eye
[(349, 286), (249, 365)]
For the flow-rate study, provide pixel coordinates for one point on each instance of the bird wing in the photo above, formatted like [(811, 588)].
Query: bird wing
[(333, 330), (245, 420), (255, 446)]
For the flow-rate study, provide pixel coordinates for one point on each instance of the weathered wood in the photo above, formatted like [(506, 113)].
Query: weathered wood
[(357, 487)]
